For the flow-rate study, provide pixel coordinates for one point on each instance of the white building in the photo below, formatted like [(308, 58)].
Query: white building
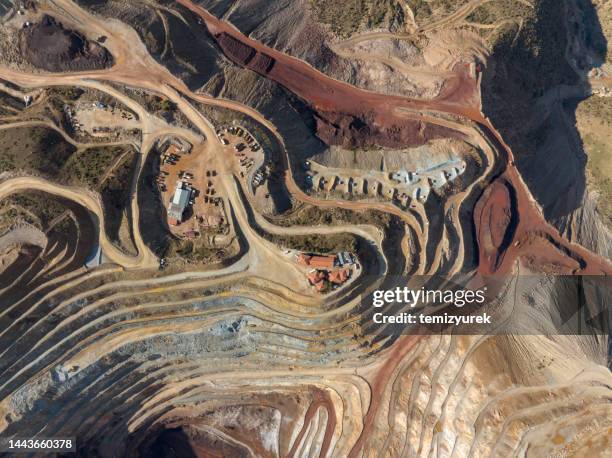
[(179, 203)]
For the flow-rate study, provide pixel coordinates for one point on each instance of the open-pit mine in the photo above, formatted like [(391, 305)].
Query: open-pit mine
[(351, 228)]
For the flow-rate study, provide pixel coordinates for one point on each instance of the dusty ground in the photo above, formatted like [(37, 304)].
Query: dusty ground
[(93, 118), (46, 44), (240, 357)]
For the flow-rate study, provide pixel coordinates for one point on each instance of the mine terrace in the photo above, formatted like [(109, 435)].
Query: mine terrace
[(195, 198)]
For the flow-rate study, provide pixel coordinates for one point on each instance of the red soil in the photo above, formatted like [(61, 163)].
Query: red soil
[(377, 388), (509, 223), (354, 117), (321, 399), (493, 214), (506, 205), (240, 52), (262, 63), (370, 129), (345, 115), (462, 89)]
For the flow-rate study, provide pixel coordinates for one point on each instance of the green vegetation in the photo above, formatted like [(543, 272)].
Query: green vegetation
[(59, 96), (499, 10), (43, 151), (88, 167), (482, 15), (196, 251), (599, 174), (9, 105), (539, 51), (311, 215), (381, 10), (158, 104), (316, 243), (420, 9), (426, 11), (522, 68), (7, 161), (392, 227), (68, 93), (594, 120), (220, 116), (115, 193), (596, 107), (34, 150), (31, 207), (345, 18), (151, 102)]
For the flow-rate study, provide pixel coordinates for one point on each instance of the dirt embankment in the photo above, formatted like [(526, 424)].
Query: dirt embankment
[(189, 441), (496, 220), (49, 46), (366, 129), (344, 114), (353, 117), (509, 226)]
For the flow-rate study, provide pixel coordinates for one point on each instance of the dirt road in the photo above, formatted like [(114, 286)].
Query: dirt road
[(144, 259)]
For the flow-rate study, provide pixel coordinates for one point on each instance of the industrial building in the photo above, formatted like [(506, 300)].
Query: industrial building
[(317, 262), (179, 203)]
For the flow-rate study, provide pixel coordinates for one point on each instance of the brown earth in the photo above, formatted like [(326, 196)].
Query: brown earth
[(508, 229), (368, 129), (321, 399), (493, 215), (380, 379), (190, 442), (345, 115), (419, 395), (354, 117), (48, 45)]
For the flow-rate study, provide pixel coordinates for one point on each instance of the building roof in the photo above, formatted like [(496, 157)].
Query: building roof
[(179, 203), (181, 196), (316, 276), (317, 262), (303, 259), (175, 212), (339, 276), (322, 262)]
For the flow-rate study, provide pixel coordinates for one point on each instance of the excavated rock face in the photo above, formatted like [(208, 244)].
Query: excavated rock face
[(343, 114), (533, 84), (129, 387), (234, 361), (361, 130), (49, 46)]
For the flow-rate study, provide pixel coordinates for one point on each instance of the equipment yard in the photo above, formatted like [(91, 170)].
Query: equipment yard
[(220, 221), (99, 120)]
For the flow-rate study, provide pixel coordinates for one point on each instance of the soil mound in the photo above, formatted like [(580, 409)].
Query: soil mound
[(360, 120), (235, 49), (48, 45), (370, 129), (496, 220), (245, 55)]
